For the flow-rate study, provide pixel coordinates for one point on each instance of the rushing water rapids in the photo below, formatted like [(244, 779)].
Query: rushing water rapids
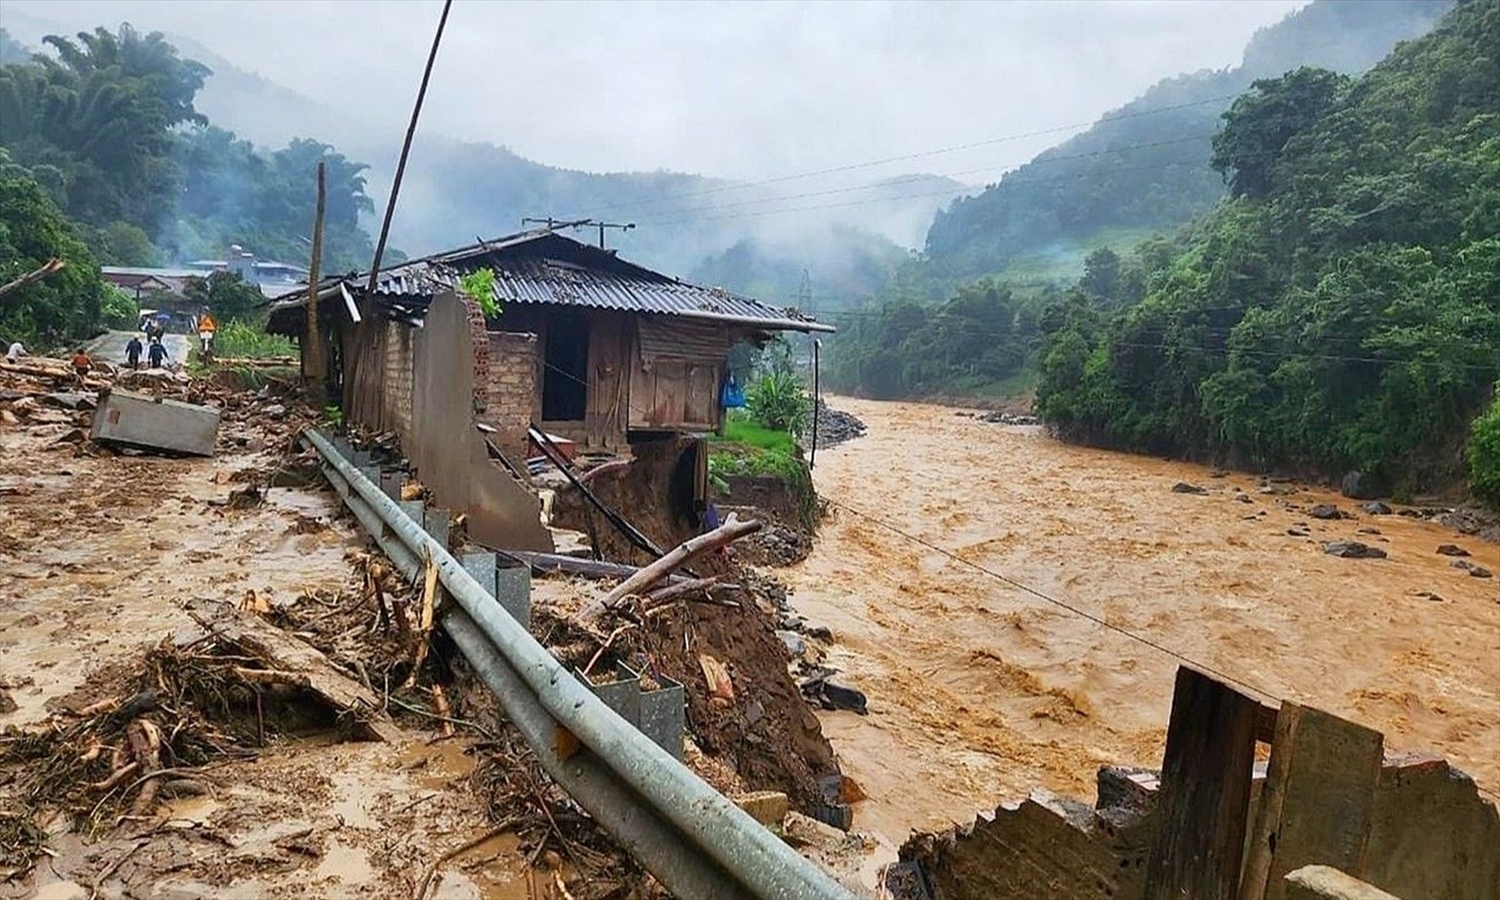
[(979, 691)]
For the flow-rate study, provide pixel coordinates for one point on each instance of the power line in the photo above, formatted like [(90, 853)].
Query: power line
[(913, 179), (673, 218), (1082, 613), (1042, 595), (920, 155)]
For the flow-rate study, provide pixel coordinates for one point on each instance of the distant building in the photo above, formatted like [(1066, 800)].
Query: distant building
[(273, 278)]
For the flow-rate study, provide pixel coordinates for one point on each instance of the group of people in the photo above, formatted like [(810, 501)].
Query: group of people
[(155, 350)]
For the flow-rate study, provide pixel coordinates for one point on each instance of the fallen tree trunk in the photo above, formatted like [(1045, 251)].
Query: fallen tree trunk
[(732, 530), (286, 656), (52, 265)]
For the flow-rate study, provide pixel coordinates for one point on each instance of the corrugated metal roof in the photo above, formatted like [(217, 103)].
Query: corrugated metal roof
[(550, 269)]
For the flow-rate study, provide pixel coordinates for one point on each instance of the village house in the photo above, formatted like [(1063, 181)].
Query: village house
[(584, 345)]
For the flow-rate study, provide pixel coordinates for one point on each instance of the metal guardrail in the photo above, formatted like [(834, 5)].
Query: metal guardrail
[(691, 837)]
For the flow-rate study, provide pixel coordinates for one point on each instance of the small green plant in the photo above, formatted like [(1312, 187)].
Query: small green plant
[(1484, 454), (479, 286), (334, 416), (778, 401)]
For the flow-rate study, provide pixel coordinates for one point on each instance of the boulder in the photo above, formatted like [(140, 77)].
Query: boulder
[(1359, 486), (1475, 571), (1186, 487), (1325, 511), (1376, 508), (1452, 550), (1353, 550)]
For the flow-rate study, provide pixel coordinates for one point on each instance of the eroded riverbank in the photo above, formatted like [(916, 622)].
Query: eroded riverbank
[(979, 691)]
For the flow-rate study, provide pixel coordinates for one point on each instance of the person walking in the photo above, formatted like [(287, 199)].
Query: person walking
[(15, 352), (133, 352), (82, 365), (157, 354)]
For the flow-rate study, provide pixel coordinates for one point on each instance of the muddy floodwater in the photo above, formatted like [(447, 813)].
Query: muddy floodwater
[(979, 691)]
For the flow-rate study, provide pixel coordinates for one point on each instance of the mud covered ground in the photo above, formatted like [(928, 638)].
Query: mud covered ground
[(98, 555), (979, 691)]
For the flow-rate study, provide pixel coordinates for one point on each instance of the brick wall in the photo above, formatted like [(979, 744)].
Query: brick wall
[(511, 387), (397, 377)]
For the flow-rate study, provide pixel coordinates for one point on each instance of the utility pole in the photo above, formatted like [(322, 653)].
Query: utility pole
[(411, 132), (804, 291), (313, 368), (623, 226)]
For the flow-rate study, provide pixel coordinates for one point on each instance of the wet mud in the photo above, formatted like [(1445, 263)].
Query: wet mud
[(979, 691)]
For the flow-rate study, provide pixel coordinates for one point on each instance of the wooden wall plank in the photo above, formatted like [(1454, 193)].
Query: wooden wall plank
[(1205, 792), (1319, 795)]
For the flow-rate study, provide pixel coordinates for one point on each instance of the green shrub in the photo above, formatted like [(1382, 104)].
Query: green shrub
[(1484, 453), (242, 340), (778, 401), (479, 286)]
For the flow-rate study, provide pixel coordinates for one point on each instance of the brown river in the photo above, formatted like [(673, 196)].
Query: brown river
[(979, 691)]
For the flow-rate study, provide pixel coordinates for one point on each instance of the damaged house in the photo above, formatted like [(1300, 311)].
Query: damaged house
[(585, 345)]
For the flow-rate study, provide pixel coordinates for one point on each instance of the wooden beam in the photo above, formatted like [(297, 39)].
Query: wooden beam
[(1205, 792)]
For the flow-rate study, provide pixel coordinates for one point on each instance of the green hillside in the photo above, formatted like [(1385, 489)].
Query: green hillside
[(1144, 166), (1342, 310)]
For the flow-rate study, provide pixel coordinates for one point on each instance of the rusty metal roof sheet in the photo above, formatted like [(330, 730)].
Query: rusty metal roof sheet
[(551, 269)]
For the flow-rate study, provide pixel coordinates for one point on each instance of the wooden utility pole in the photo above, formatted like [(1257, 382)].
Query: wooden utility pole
[(313, 368)]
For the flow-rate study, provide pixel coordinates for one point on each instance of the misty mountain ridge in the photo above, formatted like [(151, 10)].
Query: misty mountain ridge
[(1143, 168), (457, 190)]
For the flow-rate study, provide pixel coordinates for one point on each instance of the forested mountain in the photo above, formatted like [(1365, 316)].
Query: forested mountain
[(1144, 167), (105, 123), (1341, 311)]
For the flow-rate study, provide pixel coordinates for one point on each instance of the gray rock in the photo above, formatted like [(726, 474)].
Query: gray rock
[(1359, 486), (837, 695), (1325, 511), (1376, 508), (1452, 550), (1185, 487), (275, 409), (1353, 550), (1479, 572), (795, 644)]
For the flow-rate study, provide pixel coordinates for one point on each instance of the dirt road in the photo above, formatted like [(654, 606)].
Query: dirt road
[(979, 692), (110, 347)]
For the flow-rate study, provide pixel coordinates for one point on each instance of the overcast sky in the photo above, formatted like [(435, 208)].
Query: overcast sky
[(745, 90)]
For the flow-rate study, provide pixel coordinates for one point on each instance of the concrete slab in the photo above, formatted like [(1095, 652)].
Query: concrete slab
[(152, 423), (1328, 883)]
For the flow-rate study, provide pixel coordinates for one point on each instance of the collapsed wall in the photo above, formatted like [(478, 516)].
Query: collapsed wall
[(1431, 835), (428, 385)]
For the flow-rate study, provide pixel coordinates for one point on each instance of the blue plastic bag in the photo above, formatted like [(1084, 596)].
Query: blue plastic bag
[(731, 396)]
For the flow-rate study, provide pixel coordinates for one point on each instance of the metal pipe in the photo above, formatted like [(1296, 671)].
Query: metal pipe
[(740, 845), (680, 867)]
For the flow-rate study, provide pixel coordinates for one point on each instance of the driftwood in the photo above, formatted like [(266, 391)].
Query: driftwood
[(424, 624), (680, 589), (684, 553), (288, 655)]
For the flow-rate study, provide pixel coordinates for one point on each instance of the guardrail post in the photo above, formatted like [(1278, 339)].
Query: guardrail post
[(436, 522), (391, 484), (513, 590)]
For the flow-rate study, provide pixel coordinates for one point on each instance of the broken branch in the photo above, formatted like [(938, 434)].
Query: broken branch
[(686, 552)]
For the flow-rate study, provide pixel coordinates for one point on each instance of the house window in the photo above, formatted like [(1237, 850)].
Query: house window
[(565, 368)]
